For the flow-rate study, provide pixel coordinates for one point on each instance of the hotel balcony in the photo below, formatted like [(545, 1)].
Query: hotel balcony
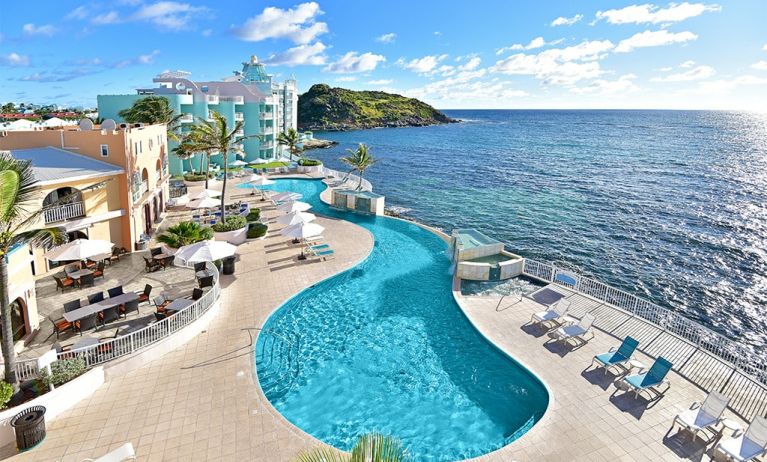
[(186, 119), (266, 115), (211, 99), (233, 99), (239, 116), (266, 131), (63, 212), (139, 190), (239, 133), (267, 145)]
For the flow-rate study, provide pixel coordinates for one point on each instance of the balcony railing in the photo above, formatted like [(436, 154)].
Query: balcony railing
[(63, 212), (267, 145), (186, 119), (266, 115), (211, 99), (266, 131), (232, 99), (239, 133), (239, 116)]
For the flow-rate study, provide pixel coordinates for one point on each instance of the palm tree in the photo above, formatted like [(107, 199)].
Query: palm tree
[(290, 140), (154, 110), (359, 160), (185, 233), (369, 448), (216, 137), (186, 151), (19, 211)]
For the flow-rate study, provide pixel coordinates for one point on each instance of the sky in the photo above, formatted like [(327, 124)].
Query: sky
[(481, 54)]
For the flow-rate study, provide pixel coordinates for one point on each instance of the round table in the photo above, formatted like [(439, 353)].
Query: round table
[(635, 363), (733, 425)]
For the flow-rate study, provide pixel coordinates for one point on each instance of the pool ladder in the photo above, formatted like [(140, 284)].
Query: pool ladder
[(277, 356)]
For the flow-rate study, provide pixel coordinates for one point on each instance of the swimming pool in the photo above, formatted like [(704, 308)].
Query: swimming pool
[(383, 347)]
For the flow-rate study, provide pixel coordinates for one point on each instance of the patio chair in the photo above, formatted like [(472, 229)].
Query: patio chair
[(155, 251), (71, 306), (124, 452), (649, 380), (150, 264), (115, 291), (129, 307), (144, 296), (575, 331), (95, 298), (702, 416), (99, 271), (87, 280), (167, 262), (109, 315), (554, 313), (59, 324), (206, 281), (748, 445), (616, 357), (159, 316), (160, 302), (116, 252), (196, 294), (86, 323), (65, 283), (200, 266)]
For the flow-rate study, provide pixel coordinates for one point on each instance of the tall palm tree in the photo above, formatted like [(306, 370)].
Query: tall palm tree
[(216, 137), (369, 448), (185, 151), (359, 160), (154, 110), (19, 211), (290, 139)]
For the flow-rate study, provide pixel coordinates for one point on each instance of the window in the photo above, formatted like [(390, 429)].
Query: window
[(104, 150), (135, 147), (140, 147), (150, 143)]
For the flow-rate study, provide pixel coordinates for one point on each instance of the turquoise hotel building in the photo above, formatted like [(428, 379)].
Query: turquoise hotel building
[(267, 107)]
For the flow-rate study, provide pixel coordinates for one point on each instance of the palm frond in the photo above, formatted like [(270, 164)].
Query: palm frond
[(375, 447), (323, 454), (43, 237)]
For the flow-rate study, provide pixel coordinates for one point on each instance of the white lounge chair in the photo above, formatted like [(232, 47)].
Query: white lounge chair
[(555, 313), (702, 416), (124, 452), (575, 331), (748, 445)]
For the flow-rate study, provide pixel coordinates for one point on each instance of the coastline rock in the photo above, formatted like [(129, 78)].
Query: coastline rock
[(318, 144)]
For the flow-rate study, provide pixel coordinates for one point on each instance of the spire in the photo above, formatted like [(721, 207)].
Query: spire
[(253, 72)]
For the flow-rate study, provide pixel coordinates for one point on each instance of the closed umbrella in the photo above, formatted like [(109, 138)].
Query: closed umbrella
[(79, 249), (294, 206), (286, 196), (205, 251), (302, 231), (295, 218), (205, 194), (204, 203)]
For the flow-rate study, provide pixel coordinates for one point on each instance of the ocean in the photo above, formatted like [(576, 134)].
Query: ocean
[(668, 205)]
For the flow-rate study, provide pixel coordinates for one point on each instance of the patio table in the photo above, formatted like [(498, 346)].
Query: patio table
[(203, 273), (160, 256), (79, 273), (179, 304), (84, 343), (82, 312)]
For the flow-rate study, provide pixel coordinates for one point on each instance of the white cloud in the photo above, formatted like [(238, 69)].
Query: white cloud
[(687, 64), (353, 62), (648, 13), (14, 60), (698, 73), (764, 47), (537, 42), (760, 65), (296, 24), (141, 59), (107, 18), (207, 32), (666, 69), (624, 84), (380, 82), (81, 12), (299, 55), (727, 85), (46, 29), (422, 65), (563, 21), (653, 39), (171, 15), (346, 78), (386, 38), (467, 86), (471, 64)]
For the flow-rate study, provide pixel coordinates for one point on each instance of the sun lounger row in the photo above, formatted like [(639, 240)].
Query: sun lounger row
[(323, 251)]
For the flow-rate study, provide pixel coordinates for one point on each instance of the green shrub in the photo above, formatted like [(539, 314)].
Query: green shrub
[(253, 215), (185, 233), (196, 176), (305, 162), (257, 230), (62, 371), (230, 224), (6, 392)]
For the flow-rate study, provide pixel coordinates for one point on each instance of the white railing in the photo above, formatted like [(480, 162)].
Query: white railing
[(26, 369), (186, 119), (352, 180), (211, 99), (726, 349), (239, 116), (266, 115), (267, 145), (266, 131), (232, 99), (63, 212)]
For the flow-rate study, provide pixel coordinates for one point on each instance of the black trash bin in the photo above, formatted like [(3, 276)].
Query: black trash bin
[(229, 265), (29, 425)]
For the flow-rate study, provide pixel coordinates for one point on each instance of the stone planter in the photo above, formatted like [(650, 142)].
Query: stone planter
[(192, 184), (236, 237), (310, 169)]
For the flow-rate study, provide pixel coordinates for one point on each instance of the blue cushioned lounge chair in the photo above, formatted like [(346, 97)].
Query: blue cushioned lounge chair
[(615, 357), (649, 380)]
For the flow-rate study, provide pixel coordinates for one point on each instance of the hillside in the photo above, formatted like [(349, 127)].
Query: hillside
[(326, 108)]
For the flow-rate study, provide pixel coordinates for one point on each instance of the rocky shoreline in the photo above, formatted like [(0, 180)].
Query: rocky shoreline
[(342, 127), (318, 144)]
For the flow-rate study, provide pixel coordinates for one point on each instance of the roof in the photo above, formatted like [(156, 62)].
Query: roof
[(51, 165)]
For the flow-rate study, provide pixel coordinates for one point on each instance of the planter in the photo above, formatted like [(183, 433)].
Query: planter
[(236, 237), (310, 169), (194, 183)]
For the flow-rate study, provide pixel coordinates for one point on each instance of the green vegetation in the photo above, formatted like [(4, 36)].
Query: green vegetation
[(359, 160), (196, 177), (230, 224), (6, 392), (185, 233), (153, 110), (369, 448), (270, 165), (253, 215), (289, 140), (256, 230), (62, 371), (326, 108), (19, 212), (305, 162)]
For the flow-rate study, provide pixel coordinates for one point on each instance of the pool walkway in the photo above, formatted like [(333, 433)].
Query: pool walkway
[(588, 418)]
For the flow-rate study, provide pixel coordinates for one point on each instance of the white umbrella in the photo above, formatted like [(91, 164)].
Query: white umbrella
[(295, 218), (205, 251), (290, 207), (286, 196), (205, 194), (259, 161), (302, 231), (238, 163), (79, 249), (204, 203), (259, 180)]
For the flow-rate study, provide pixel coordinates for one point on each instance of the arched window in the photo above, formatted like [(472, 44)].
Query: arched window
[(61, 196), (18, 325)]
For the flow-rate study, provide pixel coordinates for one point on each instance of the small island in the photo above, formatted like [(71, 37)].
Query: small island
[(337, 109)]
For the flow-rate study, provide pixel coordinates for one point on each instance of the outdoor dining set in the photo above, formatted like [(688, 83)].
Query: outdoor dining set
[(158, 259)]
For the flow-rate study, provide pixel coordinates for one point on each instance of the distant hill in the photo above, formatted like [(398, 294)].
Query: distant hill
[(326, 108)]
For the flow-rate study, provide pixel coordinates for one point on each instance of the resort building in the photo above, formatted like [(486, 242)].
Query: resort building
[(250, 95)]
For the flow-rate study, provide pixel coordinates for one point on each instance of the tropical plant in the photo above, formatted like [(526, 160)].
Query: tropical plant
[(185, 151), (256, 230), (6, 393), (19, 211), (232, 223), (191, 144), (62, 371), (290, 140), (185, 233), (372, 447), (216, 137), (254, 215), (154, 110), (359, 160), (306, 162)]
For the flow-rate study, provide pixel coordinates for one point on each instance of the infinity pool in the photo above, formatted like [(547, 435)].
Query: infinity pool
[(383, 347)]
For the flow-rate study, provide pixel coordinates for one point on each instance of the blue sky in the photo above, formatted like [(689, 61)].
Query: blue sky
[(483, 54)]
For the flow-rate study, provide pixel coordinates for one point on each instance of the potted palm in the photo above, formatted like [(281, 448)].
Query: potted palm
[(233, 229), (185, 233)]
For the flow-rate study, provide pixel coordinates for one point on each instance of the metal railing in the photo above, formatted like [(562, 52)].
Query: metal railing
[(352, 180), (63, 212), (728, 350)]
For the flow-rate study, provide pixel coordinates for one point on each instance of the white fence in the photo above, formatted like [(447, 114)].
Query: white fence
[(353, 180), (738, 355), (63, 212)]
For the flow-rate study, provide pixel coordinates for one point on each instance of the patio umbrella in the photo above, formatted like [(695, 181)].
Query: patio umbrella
[(205, 194), (79, 249), (259, 161), (302, 231), (205, 251), (292, 206), (286, 196), (295, 218), (259, 180), (205, 203), (238, 163)]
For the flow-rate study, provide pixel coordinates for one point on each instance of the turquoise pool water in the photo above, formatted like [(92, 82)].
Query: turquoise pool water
[(383, 347)]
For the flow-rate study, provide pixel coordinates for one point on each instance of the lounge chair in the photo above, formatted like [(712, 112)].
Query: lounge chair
[(323, 254), (124, 452), (575, 331), (649, 380), (702, 416), (616, 357), (555, 313), (317, 247), (748, 445)]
